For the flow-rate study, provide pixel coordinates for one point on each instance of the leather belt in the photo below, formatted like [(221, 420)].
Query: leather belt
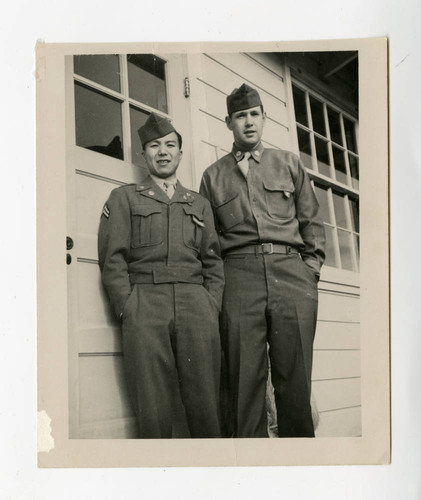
[(264, 248)]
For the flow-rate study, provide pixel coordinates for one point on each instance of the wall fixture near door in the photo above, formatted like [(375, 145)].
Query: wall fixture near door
[(186, 87)]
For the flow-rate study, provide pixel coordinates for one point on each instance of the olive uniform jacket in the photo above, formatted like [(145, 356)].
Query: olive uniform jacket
[(145, 237)]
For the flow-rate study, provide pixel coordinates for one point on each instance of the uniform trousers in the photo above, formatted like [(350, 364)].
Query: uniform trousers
[(269, 300), (172, 360)]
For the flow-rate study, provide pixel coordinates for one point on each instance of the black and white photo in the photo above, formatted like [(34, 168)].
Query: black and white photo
[(142, 359)]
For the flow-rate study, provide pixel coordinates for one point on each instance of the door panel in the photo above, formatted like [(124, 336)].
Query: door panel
[(103, 392), (92, 299), (99, 406)]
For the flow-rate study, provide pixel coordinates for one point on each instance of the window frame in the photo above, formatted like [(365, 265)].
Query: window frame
[(331, 184), (124, 99)]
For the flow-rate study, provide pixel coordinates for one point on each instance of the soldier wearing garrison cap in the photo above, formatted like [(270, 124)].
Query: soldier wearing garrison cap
[(272, 241), (159, 258)]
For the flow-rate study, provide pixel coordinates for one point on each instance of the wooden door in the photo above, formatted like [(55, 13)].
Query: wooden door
[(108, 97)]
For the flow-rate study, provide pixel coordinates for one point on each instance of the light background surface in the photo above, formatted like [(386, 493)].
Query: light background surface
[(77, 21), (53, 274)]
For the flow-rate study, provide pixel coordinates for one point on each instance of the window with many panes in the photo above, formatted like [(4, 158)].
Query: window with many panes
[(114, 94), (327, 141)]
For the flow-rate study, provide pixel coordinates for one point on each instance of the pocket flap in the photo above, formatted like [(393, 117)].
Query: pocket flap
[(279, 185), (230, 213), (226, 199), (146, 210), (192, 210)]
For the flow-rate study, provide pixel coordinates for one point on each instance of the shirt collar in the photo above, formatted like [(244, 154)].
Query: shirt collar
[(256, 152), (181, 195), (169, 180)]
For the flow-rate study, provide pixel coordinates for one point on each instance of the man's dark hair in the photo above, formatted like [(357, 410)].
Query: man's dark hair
[(180, 139)]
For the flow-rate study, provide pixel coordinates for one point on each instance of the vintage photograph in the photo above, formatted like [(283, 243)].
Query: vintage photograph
[(151, 367), (213, 243)]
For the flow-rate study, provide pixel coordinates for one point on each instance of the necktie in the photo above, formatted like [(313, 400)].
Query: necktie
[(169, 188), (243, 164)]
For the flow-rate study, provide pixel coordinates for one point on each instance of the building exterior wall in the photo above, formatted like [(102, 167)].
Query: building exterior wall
[(95, 357)]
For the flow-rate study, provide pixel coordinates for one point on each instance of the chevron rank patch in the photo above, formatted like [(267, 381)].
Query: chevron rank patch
[(106, 211)]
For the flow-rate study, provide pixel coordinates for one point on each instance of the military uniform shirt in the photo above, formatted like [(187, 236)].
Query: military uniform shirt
[(274, 204)]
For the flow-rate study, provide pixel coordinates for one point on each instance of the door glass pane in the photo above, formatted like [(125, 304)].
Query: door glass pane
[(335, 126), (147, 80), (355, 214), (300, 106), (330, 248), (305, 147), (351, 140), (137, 119), (345, 242), (339, 161), (355, 171), (317, 116), (322, 156), (104, 70), (322, 198), (339, 204), (98, 122)]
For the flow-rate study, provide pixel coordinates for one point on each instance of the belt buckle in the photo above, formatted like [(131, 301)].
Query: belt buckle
[(270, 250)]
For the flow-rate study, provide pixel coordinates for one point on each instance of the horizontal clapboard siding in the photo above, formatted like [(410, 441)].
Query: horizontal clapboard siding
[(337, 307), (337, 363), (252, 69), (334, 394), (331, 335), (340, 423), (227, 71), (216, 75)]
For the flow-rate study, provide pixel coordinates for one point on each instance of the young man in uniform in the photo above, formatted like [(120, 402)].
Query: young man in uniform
[(272, 239), (159, 256)]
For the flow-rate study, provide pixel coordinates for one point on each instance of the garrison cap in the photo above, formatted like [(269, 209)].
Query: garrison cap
[(243, 98), (155, 127)]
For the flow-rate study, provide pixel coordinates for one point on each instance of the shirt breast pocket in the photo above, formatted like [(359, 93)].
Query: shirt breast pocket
[(193, 226), (279, 195), (230, 214), (146, 225)]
